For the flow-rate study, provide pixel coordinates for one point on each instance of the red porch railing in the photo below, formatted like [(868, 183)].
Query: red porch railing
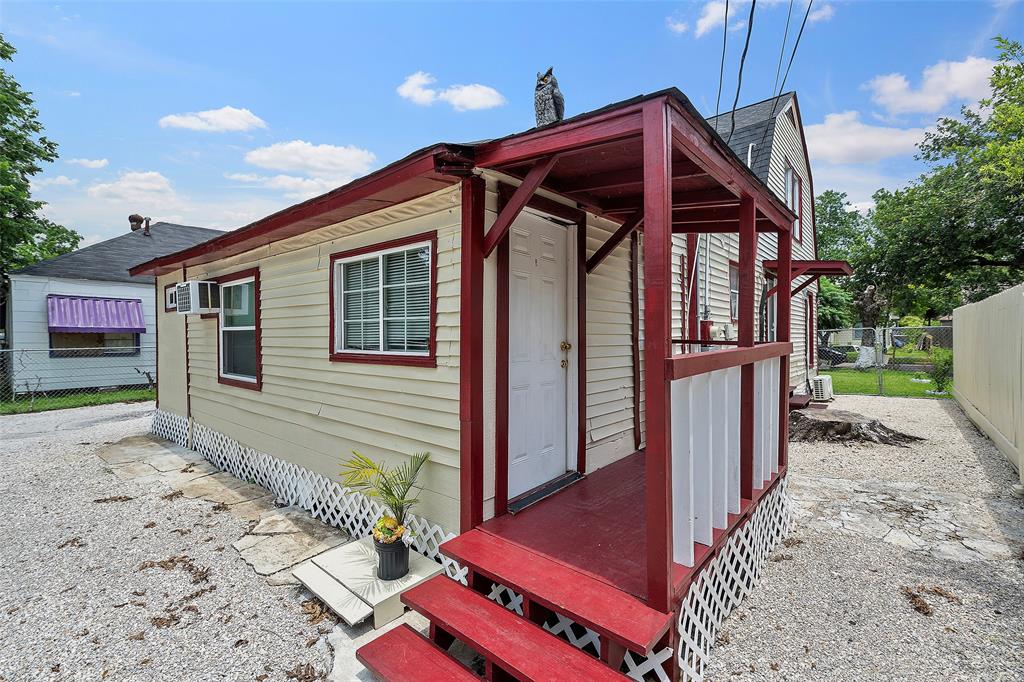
[(707, 457)]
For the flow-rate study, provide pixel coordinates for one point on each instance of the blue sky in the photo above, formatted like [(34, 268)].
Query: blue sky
[(216, 114)]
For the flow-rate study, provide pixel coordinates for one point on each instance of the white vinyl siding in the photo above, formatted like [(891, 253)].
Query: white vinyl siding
[(315, 412)]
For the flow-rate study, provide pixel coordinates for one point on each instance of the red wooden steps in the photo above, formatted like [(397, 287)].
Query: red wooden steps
[(612, 613), (509, 643), (403, 654)]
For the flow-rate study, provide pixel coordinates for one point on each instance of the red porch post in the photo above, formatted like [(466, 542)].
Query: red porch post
[(471, 357), (745, 336), (783, 333), (657, 348)]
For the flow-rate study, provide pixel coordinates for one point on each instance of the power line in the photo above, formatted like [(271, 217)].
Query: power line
[(739, 78), (721, 67), (782, 50), (782, 85)]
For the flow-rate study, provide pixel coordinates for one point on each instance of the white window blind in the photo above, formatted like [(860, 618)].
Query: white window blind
[(385, 302)]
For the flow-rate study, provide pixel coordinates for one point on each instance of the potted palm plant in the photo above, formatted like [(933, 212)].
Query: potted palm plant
[(393, 487)]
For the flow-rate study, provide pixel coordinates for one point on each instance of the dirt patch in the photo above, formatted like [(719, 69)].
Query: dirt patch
[(184, 562), (113, 498)]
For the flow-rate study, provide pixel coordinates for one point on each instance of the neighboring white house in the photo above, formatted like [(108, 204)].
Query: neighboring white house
[(81, 321)]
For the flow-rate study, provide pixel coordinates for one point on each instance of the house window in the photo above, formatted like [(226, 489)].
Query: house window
[(170, 298), (93, 344), (239, 336), (383, 302), (734, 291), (794, 200)]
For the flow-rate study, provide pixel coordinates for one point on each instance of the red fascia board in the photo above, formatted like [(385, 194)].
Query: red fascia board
[(723, 165), (833, 268), (588, 131), (380, 188)]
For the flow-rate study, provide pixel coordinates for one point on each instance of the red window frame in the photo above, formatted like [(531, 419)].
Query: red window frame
[(228, 381), (407, 360)]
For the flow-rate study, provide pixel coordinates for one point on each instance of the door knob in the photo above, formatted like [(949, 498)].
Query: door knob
[(565, 345)]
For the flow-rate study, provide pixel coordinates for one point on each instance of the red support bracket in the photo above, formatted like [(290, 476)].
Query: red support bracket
[(804, 285), (796, 272), (632, 222), (517, 202)]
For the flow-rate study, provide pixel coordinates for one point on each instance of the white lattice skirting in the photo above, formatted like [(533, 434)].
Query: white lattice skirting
[(721, 586), (728, 579), (325, 499)]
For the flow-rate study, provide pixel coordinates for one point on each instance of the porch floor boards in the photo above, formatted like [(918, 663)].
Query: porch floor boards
[(595, 526)]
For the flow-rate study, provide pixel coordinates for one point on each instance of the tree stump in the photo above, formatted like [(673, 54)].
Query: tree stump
[(840, 426)]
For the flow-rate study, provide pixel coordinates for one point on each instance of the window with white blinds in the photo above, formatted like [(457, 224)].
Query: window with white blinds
[(383, 302)]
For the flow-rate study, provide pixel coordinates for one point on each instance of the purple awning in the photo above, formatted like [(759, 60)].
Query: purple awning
[(83, 314)]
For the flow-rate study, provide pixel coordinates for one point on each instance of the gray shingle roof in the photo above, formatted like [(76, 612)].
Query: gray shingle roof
[(751, 122), (109, 260)]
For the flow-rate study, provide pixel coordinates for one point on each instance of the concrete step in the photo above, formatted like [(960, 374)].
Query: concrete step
[(339, 598)]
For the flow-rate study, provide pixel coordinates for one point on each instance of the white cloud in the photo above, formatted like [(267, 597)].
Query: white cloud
[(292, 186), (149, 189), (416, 88), (58, 181), (72, 93), (712, 15), (310, 169), (676, 25), (822, 13), (941, 83), (859, 182), (89, 163), (225, 119), (844, 138), (315, 160)]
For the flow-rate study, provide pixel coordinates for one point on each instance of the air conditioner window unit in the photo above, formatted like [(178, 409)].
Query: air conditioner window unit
[(822, 385), (196, 297)]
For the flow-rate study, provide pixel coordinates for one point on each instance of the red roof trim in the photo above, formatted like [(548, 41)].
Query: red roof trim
[(259, 233)]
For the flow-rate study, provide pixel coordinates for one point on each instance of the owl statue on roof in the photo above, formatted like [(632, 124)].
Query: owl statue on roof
[(548, 103)]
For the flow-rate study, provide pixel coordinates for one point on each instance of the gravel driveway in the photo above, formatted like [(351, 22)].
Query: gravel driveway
[(906, 563), (111, 579)]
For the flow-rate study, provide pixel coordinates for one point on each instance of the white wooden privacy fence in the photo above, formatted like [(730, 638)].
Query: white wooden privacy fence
[(707, 395)]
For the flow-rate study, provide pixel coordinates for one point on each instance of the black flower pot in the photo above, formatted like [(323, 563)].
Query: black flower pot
[(392, 559)]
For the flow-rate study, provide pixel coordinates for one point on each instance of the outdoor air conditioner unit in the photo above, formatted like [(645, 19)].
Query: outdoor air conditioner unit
[(196, 297), (822, 385)]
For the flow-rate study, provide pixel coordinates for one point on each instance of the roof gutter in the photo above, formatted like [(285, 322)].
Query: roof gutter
[(438, 161)]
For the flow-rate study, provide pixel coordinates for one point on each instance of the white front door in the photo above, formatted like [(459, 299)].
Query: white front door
[(537, 373)]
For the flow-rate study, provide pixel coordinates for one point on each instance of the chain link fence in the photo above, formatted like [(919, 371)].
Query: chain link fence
[(892, 361), (33, 380)]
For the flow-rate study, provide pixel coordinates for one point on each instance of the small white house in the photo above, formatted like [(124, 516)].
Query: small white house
[(81, 321)]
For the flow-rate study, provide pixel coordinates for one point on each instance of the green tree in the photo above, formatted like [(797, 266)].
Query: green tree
[(835, 306), (51, 240), (959, 229), (842, 231), (24, 234)]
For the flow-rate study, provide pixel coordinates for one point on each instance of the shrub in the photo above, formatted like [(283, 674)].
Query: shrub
[(942, 368)]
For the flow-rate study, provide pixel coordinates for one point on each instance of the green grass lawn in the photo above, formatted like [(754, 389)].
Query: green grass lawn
[(910, 356), (23, 404), (865, 382)]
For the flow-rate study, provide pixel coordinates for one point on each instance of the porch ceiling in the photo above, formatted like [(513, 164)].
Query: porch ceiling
[(607, 179)]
